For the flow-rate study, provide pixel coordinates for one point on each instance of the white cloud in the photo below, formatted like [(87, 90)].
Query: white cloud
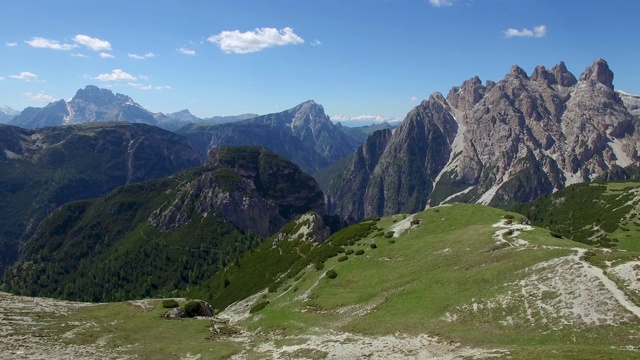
[(186, 51), (40, 97), (94, 44), (115, 75), (316, 42), (1, 78), (79, 55), (252, 41), (26, 76), (40, 42), (142, 57), (441, 3), (11, 44), (538, 31), (105, 55), (414, 98)]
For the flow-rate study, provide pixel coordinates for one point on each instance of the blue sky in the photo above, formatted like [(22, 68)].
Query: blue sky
[(355, 57)]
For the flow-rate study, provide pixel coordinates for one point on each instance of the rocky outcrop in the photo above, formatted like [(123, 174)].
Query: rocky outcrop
[(514, 140), (251, 187)]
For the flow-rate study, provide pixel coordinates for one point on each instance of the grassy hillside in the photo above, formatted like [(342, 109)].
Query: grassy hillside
[(600, 214), (460, 281)]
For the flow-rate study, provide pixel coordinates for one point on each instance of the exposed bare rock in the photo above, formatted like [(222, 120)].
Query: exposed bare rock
[(563, 76), (599, 72), (500, 143)]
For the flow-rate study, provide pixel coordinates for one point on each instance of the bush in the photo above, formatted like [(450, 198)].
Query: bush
[(349, 252), (416, 221), (169, 304), (389, 234), (192, 308), (340, 250), (392, 241), (509, 217), (343, 258), (259, 306), (379, 234), (556, 235), (331, 274), (373, 246), (359, 252), (319, 266)]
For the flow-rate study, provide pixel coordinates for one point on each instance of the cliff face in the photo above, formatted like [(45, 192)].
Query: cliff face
[(501, 143)]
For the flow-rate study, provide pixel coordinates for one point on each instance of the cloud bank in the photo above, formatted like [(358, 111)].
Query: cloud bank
[(115, 75), (26, 76), (538, 32), (185, 51), (236, 42), (441, 3)]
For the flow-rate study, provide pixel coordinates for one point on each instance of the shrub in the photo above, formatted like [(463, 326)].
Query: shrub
[(379, 234), (508, 222), (169, 304), (509, 232), (373, 245), (343, 258), (340, 250), (349, 252), (556, 235), (331, 274), (192, 308), (392, 241), (509, 217), (415, 221), (389, 234), (259, 306), (359, 252), (319, 266), (351, 242)]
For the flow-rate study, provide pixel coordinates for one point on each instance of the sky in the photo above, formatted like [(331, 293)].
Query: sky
[(358, 58)]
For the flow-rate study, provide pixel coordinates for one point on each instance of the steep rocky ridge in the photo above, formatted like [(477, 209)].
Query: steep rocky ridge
[(498, 143), (160, 236), (43, 169), (303, 134)]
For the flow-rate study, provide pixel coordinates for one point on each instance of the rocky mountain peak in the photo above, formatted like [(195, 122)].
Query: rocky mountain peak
[(518, 71), (599, 72), (541, 74), (95, 95), (464, 97), (563, 76)]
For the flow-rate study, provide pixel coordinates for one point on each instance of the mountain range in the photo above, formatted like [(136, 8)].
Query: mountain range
[(493, 143), (303, 134), (149, 239)]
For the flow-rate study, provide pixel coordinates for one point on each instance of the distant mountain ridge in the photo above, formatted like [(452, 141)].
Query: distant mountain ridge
[(7, 113), (303, 134), (494, 144), (187, 117), (93, 104)]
